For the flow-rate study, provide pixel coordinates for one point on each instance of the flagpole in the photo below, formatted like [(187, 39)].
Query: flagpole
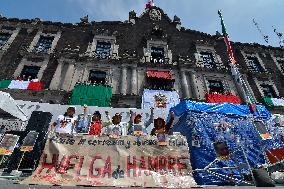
[(234, 69)]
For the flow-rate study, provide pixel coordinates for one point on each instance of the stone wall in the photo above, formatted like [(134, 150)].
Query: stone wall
[(69, 61)]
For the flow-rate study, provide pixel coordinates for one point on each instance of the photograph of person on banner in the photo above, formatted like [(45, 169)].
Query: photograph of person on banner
[(159, 123), (116, 128), (137, 127), (96, 124), (29, 141), (66, 123), (8, 144), (83, 122), (161, 129)]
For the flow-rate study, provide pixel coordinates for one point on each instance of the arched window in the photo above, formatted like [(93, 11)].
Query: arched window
[(98, 77), (44, 44), (208, 60), (157, 55), (4, 37), (103, 50), (216, 86)]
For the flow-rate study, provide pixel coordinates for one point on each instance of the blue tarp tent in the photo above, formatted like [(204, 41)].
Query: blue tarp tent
[(200, 123), (225, 108)]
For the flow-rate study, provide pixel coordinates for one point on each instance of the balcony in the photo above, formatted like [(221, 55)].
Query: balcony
[(222, 98)]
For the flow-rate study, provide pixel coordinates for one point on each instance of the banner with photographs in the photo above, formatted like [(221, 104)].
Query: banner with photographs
[(8, 144), (124, 162)]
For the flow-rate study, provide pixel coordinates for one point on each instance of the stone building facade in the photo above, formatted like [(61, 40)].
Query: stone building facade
[(62, 54)]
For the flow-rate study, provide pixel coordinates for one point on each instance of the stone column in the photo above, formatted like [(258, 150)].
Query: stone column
[(185, 87), (56, 77), (194, 88), (68, 77), (75, 78), (123, 85), (85, 75), (134, 81)]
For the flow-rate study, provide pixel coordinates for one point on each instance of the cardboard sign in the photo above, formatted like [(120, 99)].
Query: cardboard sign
[(222, 150), (8, 144), (101, 161), (260, 126), (29, 141)]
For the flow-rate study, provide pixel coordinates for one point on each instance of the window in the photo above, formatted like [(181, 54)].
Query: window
[(4, 37), (98, 77), (216, 86), (268, 91), (159, 80), (254, 64), (44, 44), (208, 60), (103, 50), (159, 84), (30, 72), (157, 55)]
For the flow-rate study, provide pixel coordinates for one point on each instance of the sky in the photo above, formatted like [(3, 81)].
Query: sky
[(198, 15)]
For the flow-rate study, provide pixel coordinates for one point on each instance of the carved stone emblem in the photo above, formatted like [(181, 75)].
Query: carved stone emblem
[(155, 15)]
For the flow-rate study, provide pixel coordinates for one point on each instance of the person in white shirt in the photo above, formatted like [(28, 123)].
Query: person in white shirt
[(66, 123)]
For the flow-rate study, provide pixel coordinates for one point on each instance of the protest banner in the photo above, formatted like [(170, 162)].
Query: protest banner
[(101, 161), (29, 141), (8, 144)]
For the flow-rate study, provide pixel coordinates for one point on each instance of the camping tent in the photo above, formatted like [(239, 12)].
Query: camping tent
[(205, 125), (8, 105)]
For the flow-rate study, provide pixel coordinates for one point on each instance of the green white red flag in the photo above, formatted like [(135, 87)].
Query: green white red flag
[(234, 68), (227, 39)]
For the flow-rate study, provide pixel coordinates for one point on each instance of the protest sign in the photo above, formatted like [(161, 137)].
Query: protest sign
[(101, 161), (8, 144)]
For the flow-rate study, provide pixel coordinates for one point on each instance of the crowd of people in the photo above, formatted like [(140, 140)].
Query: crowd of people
[(92, 124)]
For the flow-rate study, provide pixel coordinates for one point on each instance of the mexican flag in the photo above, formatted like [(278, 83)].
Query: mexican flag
[(274, 101), (235, 72), (227, 39)]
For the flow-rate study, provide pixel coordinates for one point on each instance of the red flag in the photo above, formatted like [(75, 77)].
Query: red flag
[(149, 4)]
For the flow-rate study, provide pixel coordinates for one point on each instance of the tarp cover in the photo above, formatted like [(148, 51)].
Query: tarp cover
[(91, 95), (203, 124), (8, 105), (225, 108)]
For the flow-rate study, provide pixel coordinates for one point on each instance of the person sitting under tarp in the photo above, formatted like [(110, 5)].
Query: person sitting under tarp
[(137, 127), (160, 125), (66, 123)]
